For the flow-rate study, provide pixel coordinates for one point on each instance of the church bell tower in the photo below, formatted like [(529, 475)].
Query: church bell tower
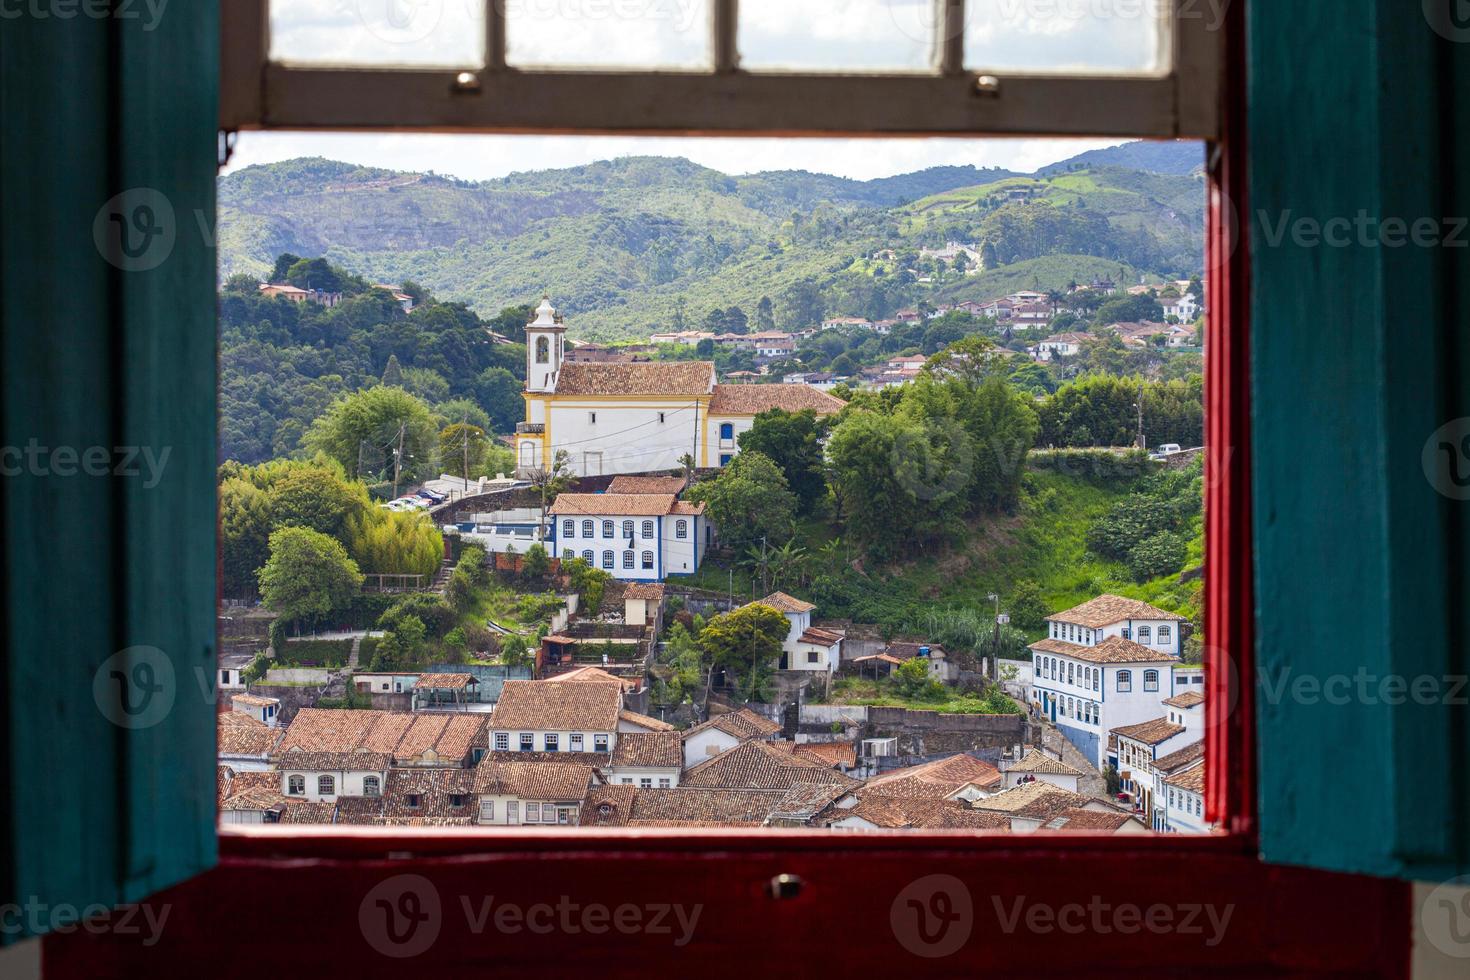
[(545, 347)]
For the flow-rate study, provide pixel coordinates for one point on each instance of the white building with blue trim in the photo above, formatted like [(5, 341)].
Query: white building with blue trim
[(1105, 664), (639, 537)]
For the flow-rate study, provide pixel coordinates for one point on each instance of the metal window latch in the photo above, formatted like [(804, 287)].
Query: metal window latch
[(785, 886)]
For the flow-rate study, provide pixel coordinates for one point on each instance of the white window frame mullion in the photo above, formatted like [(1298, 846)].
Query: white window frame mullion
[(950, 101)]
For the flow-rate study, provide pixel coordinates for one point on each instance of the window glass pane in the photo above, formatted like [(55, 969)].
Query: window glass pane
[(378, 32), (837, 35), (608, 33), (1110, 36)]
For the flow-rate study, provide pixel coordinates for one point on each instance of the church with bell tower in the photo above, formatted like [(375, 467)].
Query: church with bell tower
[(636, 417)]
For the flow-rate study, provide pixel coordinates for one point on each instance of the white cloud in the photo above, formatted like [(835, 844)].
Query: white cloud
[(488, 157)]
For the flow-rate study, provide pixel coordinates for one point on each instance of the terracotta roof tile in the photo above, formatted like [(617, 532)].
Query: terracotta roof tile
[(1108, 609), (538, 706), (547, 782), (1186, 700), (444, 682), (1085, 820), (739, 724), (1112, 650), (832, 753), (1191, 779), (1183, 757), (681, 806), (1150, 732), (1038, 800), (613, 505), (644, 721), (655, 750), (1037, 761), (589, 675), (914, 813), (754, 399), (651, 378), (248, 736), (646, 484), (644, 590), (761, 765), (939, 779), (342, 738), (786, 603)]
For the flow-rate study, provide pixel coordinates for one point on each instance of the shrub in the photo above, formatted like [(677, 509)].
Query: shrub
[(432, 612), (1162, 554)]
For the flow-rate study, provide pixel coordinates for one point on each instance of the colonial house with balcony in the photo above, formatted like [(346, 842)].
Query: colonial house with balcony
[(1092, 676), (633, 536), (636, 417)]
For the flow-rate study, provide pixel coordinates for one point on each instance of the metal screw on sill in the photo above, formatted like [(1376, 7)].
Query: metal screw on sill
[(785, 886), (467, 81), (987, 85)]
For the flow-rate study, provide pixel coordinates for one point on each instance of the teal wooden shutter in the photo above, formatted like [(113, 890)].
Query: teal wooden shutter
[(1360, 355), (96, 805)]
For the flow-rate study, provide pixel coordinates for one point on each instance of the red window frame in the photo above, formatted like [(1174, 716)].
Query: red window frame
[(291, 897)]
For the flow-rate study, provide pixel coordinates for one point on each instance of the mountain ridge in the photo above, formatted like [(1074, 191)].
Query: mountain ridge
[(646, 242)]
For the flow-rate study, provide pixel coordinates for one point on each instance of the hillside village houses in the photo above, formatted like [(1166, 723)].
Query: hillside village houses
[(573, 748), (636, 417)]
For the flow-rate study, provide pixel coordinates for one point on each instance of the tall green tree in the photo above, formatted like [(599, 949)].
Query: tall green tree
[(746, 644), (308, 575), (499, 393), (376, 428), (791, 440), (749, 500)]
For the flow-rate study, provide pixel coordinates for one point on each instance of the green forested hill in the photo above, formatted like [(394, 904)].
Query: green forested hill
[(647, 243)]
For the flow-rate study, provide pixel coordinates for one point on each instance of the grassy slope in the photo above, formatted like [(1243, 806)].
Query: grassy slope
[(1044, 542)]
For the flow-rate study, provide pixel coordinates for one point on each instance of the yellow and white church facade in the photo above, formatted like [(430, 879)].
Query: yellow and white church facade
[(636, 417)]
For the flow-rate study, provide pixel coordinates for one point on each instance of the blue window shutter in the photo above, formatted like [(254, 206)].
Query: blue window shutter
[(1359, 559), (93, 811)]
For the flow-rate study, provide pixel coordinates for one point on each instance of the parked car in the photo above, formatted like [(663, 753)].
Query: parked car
[(1169, 448), (431, 495)]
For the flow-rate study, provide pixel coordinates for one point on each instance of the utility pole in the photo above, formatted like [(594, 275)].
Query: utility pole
[(1001, 619), (465, 431), (398, 458), (1142, 444), (694, 456), (359, 459)]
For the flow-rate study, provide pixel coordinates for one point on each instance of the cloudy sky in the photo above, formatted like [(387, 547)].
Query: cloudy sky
[(816, 35)]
